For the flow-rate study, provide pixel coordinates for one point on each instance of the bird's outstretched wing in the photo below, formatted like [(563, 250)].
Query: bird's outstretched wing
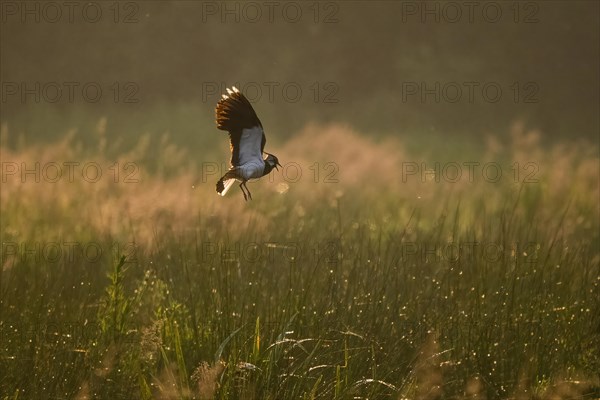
[(235, 114)]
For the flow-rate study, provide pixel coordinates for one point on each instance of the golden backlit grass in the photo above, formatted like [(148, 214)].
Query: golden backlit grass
[(324, 166)]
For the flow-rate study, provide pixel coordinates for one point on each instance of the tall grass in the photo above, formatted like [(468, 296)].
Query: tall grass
[(364, 285)]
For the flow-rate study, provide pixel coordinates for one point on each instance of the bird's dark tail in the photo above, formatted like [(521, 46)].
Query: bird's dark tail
[(224, 186), (225, 183)]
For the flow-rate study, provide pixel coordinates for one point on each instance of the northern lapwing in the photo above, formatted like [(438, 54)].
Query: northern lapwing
[(235, 114)]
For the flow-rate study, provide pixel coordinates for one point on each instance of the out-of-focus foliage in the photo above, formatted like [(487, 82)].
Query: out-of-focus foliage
[(368, 50)]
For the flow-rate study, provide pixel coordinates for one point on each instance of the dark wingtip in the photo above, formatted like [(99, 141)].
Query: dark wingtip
[(234, 112), (220, 187)]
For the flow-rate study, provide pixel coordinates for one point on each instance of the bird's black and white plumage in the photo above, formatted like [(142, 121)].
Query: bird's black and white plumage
[(235, 114)]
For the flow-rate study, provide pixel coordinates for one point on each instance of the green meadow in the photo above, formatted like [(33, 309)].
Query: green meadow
[(382, 268)]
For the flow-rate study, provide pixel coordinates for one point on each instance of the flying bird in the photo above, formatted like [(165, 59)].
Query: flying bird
[(235, 114)]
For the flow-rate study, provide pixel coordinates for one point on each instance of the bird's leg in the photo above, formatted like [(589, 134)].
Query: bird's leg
[(248, 190), (243, 191)]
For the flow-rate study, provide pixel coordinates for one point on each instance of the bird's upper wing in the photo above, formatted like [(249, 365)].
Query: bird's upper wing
[(235, 114)]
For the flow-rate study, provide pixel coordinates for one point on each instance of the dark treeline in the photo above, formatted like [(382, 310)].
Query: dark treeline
[(383, 67)]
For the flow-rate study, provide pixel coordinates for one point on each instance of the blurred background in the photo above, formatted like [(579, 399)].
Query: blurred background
[(434, 70)]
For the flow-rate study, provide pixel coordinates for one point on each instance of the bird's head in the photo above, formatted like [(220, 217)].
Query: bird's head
[(272, 162)]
